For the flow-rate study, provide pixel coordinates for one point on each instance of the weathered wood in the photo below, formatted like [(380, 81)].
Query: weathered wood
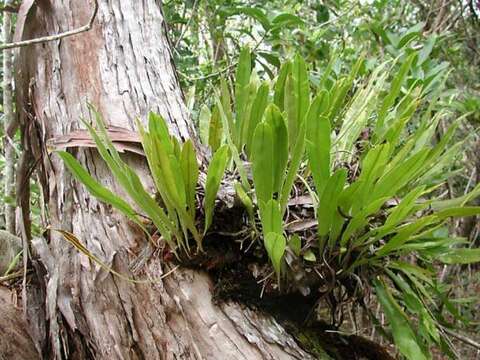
[(123, 66)]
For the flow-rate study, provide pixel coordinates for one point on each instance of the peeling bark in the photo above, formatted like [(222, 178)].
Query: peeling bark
[(123, 67)]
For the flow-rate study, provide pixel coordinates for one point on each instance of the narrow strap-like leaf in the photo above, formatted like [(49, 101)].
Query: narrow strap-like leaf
[(262, 162), (215, 173)]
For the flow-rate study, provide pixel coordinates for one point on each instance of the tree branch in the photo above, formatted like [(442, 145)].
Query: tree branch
[(65, 34)]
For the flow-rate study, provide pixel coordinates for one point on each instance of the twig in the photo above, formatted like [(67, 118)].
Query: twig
[(227, 68), (44, 39), (184, 30), (462, 338), (338, 17), (12, 276), (220, 72)]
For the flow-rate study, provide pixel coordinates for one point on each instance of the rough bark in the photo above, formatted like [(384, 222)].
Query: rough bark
[(8, 145), (123, 67)]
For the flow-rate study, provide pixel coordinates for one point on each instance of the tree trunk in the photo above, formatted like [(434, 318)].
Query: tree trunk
[(123, 66), (8, 145)]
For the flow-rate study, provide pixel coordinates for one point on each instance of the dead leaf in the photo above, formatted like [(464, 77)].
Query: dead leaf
[(303, 200), (301, 225), (122, 139)]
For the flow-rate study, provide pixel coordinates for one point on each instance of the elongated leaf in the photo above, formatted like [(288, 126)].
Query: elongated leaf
[(246, 201), (412, 302), (215, 173), (150, 144), (357, 114), (404, 234), (289, 103), (175, 163), (164, 155), (329, 201), (97, 189), (274, 118), (190, 174), (279, 95), (148, 204), (410, 34), (318, 141), (215, 130), (226, 102), (402, 332), (459, 201), (396, 178), (360, 219), (415, 305), (275, 245), (262, 162), (73, 240), (130, 182), (433, 247), (373, 167), (301, 88), (256, 115), (297, 97), (460, 256), (413, 271), (295, 161), (242, 92), (400, 212), (233, 149), (159, 129), (395, 88), (340, 90), (328, 70), (204, 123), (164, 163), (271, 217), (458, 212)]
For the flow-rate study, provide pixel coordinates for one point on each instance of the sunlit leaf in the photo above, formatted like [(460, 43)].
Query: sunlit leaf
[(274, 118), (275, 245), (190, 173), (256, 114), (295, 161), (215, 130), (271, 217), (215, 173), (318, 140), (262, 162), (242, 80), (460, 256)]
